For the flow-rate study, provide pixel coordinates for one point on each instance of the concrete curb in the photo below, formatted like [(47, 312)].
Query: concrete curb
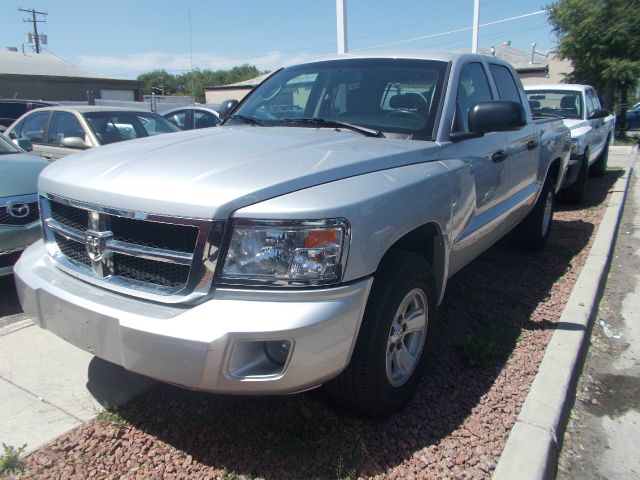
[(532, 449)]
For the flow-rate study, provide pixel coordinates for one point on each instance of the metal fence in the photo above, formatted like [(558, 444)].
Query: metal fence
[(151, 103)]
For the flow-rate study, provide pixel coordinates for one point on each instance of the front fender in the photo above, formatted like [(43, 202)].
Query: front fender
[(381, 207)]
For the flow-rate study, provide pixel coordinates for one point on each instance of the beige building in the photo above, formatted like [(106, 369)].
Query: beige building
[(234, 91), (533, 67)]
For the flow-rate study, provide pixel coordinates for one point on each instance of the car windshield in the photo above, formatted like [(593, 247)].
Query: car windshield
[(6, 146), (564, 103), (111, 127), (391, 96)]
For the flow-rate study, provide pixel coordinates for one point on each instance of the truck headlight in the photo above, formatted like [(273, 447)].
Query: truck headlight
[(286, 253)]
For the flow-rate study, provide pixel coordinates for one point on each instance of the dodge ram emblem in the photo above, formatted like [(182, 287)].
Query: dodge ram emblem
[(96, 244)]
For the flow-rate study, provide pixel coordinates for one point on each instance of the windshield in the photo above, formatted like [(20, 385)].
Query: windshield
[(6, 146), (564, 103), (385, 95), (111, 127)]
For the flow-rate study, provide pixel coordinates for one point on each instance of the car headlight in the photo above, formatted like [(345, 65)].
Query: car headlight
[(286, 252)]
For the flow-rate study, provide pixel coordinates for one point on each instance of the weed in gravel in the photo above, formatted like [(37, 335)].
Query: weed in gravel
[(489, 342), (113, 416), (10, 462)]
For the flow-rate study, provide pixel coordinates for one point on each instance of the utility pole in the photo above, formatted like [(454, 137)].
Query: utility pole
[(476, 19), (35, 21), (341, 19)]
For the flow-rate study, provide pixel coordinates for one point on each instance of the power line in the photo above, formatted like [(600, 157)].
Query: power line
[(458, 30)]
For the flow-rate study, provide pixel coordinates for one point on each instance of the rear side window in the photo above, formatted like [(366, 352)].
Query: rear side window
[(507, 87)]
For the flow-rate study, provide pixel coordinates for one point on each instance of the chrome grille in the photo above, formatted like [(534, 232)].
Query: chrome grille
[(158, 257)]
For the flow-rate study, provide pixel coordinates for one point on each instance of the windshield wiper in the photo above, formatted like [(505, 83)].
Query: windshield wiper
[(245, 119), (322, 122)]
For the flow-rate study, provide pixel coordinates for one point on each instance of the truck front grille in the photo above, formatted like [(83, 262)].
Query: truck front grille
[(158, 257)]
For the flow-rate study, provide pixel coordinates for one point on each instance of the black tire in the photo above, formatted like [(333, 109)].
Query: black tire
[(533, 231), (576, 192), (366, 387), (599, 167)]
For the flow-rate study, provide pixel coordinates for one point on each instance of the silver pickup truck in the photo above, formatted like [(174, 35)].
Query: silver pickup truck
[(307, 240), (591, 131)]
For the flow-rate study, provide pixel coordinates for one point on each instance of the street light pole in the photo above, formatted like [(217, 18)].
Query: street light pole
[(476, 19), (341, 20)]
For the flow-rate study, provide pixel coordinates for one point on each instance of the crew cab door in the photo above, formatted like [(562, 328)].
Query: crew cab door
[(475, 227), (523, 149)]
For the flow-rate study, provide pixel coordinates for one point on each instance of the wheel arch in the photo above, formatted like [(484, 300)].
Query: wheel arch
[(429, 242)]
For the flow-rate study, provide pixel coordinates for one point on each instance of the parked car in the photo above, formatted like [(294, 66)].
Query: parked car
[(188, 118), (19, 218), (633, 117), (12, 109), (58, 131), (591, 131), (255, 260)]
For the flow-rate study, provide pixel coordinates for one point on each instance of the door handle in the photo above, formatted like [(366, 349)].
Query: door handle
[(499, 156), (532, 144)]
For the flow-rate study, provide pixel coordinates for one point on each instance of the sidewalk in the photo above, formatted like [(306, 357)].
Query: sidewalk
[(532, 449), (48, 387)]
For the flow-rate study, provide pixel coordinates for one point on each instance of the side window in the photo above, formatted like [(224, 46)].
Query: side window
[(34, 125), (64, 125), (592, 102), (204, 120), (179, 119), (596, 100), (507, 87), (473, 87)]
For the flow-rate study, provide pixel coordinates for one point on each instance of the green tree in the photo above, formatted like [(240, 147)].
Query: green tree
[(194, 82), (601, 39)]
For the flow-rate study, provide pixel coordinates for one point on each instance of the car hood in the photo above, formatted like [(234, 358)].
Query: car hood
[(574, 123), (209, 174), (19, 173)]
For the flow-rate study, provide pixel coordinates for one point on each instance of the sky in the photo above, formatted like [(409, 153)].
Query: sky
[(123, 38)]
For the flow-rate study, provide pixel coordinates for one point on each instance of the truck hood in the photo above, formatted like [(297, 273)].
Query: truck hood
[(210, 173), (19, 173)]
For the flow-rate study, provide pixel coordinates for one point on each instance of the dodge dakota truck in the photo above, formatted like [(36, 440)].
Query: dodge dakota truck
[(591, 131), (304, 242)]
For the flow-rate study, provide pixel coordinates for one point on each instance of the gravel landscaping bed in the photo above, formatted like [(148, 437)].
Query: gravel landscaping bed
[(497, 318)]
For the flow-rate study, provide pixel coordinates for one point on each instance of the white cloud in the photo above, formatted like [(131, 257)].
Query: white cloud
[(130, 66)]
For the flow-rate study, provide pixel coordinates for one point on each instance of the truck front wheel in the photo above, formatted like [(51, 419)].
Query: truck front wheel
[(391, 350), (533, 231), (599, 167), (575, 193)]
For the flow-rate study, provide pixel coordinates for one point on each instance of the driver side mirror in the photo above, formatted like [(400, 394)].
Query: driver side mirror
[(74, 142), (496, 116), (599, 113), (24, 144), (227, 107)]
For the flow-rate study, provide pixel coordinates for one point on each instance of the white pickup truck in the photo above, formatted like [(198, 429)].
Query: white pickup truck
[(308, 239), (591, 131)]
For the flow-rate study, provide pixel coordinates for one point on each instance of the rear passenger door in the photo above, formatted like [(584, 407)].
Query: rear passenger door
[(522, 145)]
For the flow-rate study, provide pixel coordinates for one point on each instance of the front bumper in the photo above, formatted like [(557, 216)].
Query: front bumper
[(14, 239), (213, 346)]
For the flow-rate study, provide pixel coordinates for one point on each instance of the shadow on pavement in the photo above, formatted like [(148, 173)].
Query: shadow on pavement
[(488, 306)]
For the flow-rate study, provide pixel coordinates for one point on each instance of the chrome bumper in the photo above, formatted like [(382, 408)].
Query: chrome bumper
[(213, 346)]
